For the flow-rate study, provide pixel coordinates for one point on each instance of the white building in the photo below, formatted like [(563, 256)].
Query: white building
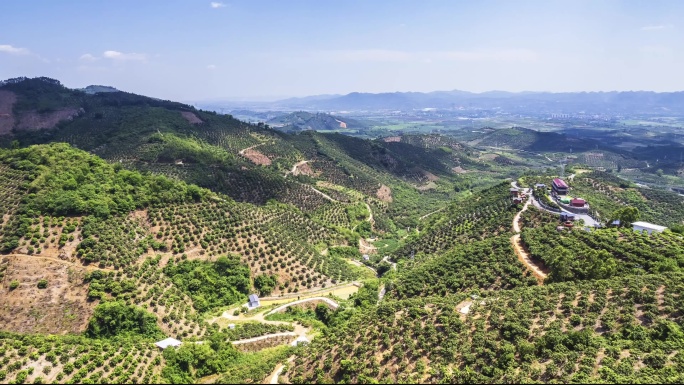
[(301, 340), (253, 301), (163, 344), (649, 227)]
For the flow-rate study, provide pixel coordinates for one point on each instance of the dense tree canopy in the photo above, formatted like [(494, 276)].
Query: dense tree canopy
[(211, 284)]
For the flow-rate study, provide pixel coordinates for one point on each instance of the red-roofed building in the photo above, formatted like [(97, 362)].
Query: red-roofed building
[(578, 202), (559, 186)]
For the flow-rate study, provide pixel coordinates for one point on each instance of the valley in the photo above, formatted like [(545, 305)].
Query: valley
[(417, 248)]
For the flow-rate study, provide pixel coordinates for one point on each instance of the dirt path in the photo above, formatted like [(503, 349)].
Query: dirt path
[(51, 259), (359, 264), (523, 256), (366, 248), (386, 259), (299, 330), (242, 152), (294, 168), (370, 215), (324, 195), (434, 212), (264, 337), (516, 219), (320, 292), (329, 301), (273, 378)]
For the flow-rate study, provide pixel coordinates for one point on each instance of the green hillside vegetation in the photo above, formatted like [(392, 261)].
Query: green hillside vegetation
[(621, 330), (538, 141), (113, 319), (211, 284), (125, 220), (487, 214), (59, 181), (603, 253), (488, 265), (77, 359), (607, 193), (157, 136)]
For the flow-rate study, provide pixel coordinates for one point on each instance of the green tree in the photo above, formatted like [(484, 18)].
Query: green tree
[(111, 319), (265, 283), (323, 313), (626, 216)]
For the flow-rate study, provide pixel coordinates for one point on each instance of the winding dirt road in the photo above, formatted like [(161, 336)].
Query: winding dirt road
[(242, 152), (294, 168), (523, 255)]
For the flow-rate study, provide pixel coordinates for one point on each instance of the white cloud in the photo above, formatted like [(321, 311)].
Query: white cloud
[(88, 57), (216, 4), (120, 56), (13, 50), (211, 67), (656, 27)]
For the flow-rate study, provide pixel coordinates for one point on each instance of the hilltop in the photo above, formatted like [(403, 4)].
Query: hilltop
[(301, 121)]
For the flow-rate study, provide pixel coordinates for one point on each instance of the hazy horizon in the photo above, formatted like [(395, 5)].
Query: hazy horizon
[(269, 50)]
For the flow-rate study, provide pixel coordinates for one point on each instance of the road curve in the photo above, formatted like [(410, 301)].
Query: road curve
[(334, 305)]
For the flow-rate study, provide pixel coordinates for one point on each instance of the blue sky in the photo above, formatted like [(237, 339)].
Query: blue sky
[(193, 49)]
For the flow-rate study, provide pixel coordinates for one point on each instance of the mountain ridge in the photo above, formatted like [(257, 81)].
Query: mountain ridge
[(551, 102)]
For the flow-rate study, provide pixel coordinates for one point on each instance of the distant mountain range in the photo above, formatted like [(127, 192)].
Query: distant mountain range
[(631, 102)]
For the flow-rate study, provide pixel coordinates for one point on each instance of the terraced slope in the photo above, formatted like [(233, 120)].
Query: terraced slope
[(69, 213), (475, 218), (620, 330)]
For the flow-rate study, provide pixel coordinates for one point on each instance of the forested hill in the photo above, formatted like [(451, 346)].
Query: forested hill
[(401, 179), (301, 121)]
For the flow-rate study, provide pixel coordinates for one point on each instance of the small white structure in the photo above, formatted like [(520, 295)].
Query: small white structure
[(231, 326), (253, 302), (301, 340), (163, 344), (366, 257), (649, 227)]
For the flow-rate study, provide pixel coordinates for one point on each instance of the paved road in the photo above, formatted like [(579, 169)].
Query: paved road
[(588, 221)]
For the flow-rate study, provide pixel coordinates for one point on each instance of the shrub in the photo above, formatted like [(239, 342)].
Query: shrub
[(116, 318)]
